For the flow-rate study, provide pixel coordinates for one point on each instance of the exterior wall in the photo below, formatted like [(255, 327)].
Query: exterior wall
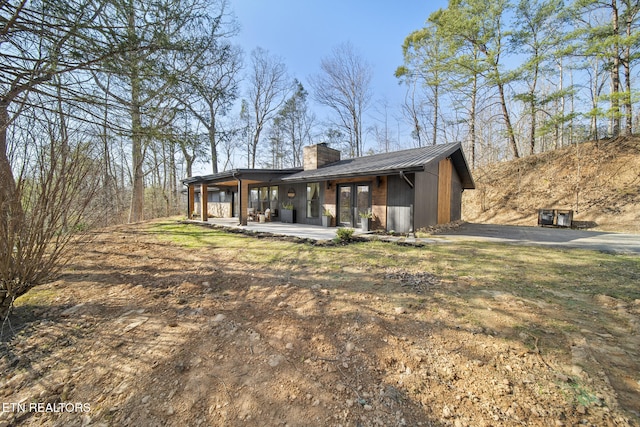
[(300, 201), (400, 200), (214, 209), (456, 197), (426, 190), (219, 209), (438, 195)]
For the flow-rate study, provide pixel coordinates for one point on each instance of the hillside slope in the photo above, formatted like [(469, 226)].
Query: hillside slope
[(599, 181)]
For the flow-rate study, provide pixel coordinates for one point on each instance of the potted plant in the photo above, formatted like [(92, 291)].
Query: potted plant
[(326, 218), (364, 220), (288, 214)]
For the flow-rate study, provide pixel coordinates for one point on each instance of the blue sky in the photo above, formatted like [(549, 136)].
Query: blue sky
[(302, 32)]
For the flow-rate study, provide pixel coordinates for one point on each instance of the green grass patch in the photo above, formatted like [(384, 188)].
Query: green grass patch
[(36, 296), (526, 271)]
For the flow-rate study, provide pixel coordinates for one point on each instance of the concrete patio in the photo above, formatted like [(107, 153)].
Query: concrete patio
[(303, 231)]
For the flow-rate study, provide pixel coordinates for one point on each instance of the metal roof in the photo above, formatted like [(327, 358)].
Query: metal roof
[(411, 160), (414, 159)]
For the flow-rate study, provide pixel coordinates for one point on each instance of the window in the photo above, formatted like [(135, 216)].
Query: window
[(274, 198), (263, 198), (313, 200), (253, 199)]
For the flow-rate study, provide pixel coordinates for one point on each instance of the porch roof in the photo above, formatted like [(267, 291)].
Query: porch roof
[(415, 159), (231, 177)]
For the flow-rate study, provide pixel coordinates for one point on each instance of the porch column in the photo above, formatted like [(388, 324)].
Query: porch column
[(243, 194), (204, 196), (191, 200)]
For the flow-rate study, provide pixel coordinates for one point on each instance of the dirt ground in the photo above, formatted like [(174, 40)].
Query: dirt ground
[(146, 333)]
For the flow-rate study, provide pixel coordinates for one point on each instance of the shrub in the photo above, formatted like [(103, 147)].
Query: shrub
[(344, 234)]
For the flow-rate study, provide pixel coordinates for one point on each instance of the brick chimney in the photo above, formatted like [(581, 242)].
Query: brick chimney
[(316, 156)]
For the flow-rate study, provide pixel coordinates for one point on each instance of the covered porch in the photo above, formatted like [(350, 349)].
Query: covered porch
[(225, 195)]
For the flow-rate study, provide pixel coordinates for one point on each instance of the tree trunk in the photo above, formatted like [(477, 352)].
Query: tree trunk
[(8, 187), (626, 63), (137, 190), (615, 72), (434, 140), (507, 121), (472, 124), (213, 143), (560, 138)]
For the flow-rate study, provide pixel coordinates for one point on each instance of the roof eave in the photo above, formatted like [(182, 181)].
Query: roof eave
[(335, 176)]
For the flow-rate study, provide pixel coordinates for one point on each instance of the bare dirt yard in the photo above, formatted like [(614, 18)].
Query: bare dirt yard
[(169, 324)]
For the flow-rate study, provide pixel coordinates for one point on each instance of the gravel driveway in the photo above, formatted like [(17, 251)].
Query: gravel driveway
[(547, 236)]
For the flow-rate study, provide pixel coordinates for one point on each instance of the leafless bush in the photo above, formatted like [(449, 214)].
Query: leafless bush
[(55, 183)]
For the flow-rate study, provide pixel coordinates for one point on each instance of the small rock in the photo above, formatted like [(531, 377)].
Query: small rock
[(181, 367), (368, 407), (400, 310), (340, 387), (219, 318), (446, 412), (124, 385), (274, 360), (72, 310), (349, 347), (139, 321), (145, 399), (170, 410)]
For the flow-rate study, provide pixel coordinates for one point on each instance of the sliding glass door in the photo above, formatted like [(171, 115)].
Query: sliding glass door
[(353, 199)]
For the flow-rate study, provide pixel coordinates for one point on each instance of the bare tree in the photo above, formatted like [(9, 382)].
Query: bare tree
[(268, 89), (178, 33), (292, 125), (344, 85), (211, 90), (57, 178), (46, 47)]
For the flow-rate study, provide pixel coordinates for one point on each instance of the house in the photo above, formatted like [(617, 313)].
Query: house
[(403, 191)]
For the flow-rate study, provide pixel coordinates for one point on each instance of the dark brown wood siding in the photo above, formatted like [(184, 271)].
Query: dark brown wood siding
[(300, 201), (400, 200), (426, 210)]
